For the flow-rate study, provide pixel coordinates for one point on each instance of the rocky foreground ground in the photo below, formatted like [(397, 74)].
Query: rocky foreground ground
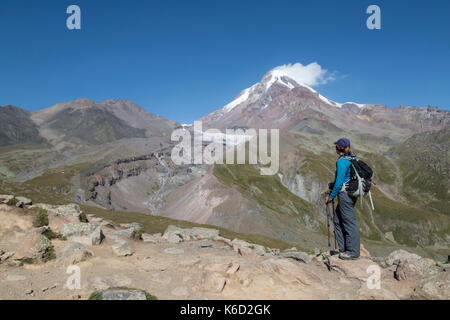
[(39, 243)]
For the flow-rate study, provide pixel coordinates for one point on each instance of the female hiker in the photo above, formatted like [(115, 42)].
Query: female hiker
[(344, 218)]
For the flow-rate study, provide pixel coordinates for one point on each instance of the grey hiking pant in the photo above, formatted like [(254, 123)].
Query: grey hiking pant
[(345, 226)]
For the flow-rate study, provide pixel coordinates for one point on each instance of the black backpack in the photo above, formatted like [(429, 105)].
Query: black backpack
[(360, 179)]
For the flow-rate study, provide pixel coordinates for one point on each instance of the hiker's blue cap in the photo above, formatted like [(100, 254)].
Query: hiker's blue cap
[(343, 143)]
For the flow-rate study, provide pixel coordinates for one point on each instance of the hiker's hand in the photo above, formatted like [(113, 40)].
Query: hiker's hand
[(327, 199)]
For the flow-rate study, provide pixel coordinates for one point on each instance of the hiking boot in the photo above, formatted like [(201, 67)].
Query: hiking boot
[(346, 256)]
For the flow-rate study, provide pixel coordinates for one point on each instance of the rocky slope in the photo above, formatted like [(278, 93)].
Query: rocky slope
[(39, 242)]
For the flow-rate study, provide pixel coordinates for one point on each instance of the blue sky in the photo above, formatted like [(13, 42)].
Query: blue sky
[(183, 59)]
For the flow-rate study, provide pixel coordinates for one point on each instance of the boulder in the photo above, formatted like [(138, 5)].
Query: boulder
[(22, 201), (129, 233), (84, 233), (248, 249), (35, 246), (299, 256), (184, 234), (4, 198), (412, 262), (436, 286), (56, 221), (204, 233), (174, 238), (73, 253), (122, 249), (224, 240), (121, 294), (71, 209)]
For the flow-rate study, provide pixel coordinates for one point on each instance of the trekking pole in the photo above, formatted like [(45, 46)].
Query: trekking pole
[(335, 240), (328, 226)]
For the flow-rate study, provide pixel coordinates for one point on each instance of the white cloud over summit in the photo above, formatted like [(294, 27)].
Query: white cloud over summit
[(311, 75)]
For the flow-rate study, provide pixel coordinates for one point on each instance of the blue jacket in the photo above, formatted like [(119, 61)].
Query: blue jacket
[(341, 175)]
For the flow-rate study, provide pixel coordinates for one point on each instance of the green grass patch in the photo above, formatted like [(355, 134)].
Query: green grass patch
[(41, 218)]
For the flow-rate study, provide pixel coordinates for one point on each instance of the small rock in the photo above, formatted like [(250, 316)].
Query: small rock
[(174, 251), (390, 236), (85, 233), (233, 268), (122, 248), (22, 201), (299, 256), (174, 238), (73, 253), (4, 198), (122, 294), (401, 272), (29, 292), (205, 245)]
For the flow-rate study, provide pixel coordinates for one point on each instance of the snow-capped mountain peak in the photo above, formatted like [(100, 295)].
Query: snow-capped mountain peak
[(289, 76)]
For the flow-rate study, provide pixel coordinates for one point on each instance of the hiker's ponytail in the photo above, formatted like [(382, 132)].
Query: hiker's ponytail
[(347, 151)]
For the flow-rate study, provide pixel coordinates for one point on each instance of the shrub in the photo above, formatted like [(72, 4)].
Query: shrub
[(137, 235), (96, 295), (12, 202), (83, 218), (49, 255), (41, 218)]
